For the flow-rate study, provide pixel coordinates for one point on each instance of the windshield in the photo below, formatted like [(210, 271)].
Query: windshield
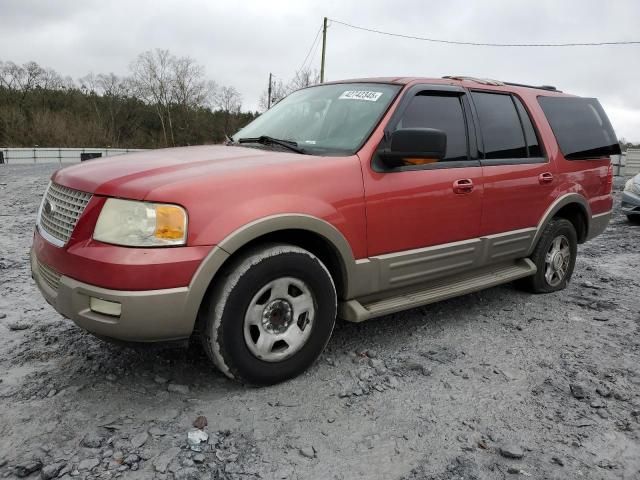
[(326, 119)]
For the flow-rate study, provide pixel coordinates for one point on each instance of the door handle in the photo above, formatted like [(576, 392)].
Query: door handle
[(545, 178), (463, 186)]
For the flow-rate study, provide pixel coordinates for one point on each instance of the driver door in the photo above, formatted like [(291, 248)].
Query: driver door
[(423, 220)]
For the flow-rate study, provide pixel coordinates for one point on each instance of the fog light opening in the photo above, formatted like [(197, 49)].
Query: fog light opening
[(113, 309)]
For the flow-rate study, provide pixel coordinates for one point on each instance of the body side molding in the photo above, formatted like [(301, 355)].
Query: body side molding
[(452, 286), (377, 276)]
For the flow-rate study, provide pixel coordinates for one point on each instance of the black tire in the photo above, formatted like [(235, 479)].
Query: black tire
[(538, 283), (634, 219), (222, 318)]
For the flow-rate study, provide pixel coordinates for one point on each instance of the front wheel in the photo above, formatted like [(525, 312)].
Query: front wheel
[(270, 316), (554, 257)]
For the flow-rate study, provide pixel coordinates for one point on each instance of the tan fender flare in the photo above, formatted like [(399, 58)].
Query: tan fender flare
[(555, 207), (256, 229)]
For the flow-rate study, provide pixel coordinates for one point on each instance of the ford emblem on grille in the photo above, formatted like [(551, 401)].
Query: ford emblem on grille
[(49, 207)]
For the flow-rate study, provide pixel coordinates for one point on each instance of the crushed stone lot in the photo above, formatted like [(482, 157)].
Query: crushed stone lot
[(493, 385)]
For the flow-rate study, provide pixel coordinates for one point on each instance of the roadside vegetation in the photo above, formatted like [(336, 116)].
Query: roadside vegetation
[(164, 101)]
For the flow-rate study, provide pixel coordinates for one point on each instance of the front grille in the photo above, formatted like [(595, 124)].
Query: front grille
[(61, 207), (49, 275)]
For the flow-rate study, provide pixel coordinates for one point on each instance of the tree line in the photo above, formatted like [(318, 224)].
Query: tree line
[(165, 100)]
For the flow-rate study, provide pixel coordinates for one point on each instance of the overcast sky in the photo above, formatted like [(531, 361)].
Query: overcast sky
[(240, 42)]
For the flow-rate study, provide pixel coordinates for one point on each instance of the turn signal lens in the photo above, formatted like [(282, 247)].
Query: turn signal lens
[(170, 222)]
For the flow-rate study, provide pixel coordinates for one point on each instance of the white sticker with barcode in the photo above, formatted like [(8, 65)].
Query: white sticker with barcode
[(367, 95)]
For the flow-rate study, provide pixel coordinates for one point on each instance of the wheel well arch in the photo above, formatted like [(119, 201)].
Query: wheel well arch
[(577, 215), (571, 206), (311, 241)]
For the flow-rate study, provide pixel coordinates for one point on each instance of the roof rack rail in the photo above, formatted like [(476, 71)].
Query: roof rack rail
[(539, 87), (488, 81)]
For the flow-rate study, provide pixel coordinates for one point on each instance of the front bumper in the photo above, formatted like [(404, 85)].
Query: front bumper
[(151, 315), (630, 203)]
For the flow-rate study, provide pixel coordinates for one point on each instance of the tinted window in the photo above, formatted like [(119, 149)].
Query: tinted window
[(500, 126), (580, 126), (529, 132), (443, 113)]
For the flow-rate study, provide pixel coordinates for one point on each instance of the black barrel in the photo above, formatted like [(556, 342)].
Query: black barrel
[(89, 155)]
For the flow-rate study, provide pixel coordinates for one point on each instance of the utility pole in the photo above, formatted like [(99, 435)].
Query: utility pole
[(269, 94), (324, 48)]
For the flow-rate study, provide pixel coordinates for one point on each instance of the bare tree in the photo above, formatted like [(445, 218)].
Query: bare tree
[(228, 100), (152, 75), (189, 89), (278, 91), (9, 75), (114, 90), (302, 79), (89, 86), (173, 85), (23, 78), (51, 80)]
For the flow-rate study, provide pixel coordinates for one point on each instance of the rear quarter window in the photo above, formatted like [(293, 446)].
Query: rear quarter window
[(580, 126)]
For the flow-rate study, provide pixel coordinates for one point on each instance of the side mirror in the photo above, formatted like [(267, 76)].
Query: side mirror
[(414, 143)]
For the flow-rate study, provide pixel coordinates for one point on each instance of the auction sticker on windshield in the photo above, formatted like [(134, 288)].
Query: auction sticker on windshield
[(360, 95)]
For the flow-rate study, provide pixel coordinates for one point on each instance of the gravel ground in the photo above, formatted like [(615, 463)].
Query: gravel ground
[(497, 384)]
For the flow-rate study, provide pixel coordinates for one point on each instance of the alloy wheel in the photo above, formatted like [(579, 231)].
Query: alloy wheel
[(557, 261)]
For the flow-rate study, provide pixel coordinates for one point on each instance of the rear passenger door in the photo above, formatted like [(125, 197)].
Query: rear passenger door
[(518, 177)]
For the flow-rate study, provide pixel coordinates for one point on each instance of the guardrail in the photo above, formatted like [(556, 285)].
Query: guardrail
[(632, 166), (622, 164), (59, 155)]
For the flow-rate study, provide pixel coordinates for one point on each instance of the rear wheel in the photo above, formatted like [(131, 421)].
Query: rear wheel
[(270, 316), (554, 257), (635, 219)]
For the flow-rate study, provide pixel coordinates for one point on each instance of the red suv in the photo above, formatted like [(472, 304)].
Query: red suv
[(354, 199)]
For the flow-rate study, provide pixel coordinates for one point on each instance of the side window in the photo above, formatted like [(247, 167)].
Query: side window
[(500, 126), (443, 113), (529, 132), (581, 127)]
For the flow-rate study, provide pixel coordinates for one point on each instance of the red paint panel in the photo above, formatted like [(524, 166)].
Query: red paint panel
[(415, 209), (514, 197), (121, 268)]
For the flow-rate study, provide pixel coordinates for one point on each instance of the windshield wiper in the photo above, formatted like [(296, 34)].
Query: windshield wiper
[(267, 140)]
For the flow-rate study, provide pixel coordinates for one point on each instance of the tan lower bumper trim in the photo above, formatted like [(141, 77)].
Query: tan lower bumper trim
[(146, 316)]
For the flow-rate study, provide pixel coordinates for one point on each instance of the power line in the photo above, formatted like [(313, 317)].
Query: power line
[(315, 52), (311, 48), (481, 44)]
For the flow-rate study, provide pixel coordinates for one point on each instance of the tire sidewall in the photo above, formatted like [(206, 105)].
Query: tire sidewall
[(233, 348), (555, 229)]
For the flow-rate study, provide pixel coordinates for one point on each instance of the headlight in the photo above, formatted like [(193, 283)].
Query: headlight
[(141, 224), (632, 187)]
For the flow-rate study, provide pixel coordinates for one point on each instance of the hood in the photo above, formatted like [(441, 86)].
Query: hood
[(135, 175)]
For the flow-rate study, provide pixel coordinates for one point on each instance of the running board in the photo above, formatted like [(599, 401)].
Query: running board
[(355, 311)]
